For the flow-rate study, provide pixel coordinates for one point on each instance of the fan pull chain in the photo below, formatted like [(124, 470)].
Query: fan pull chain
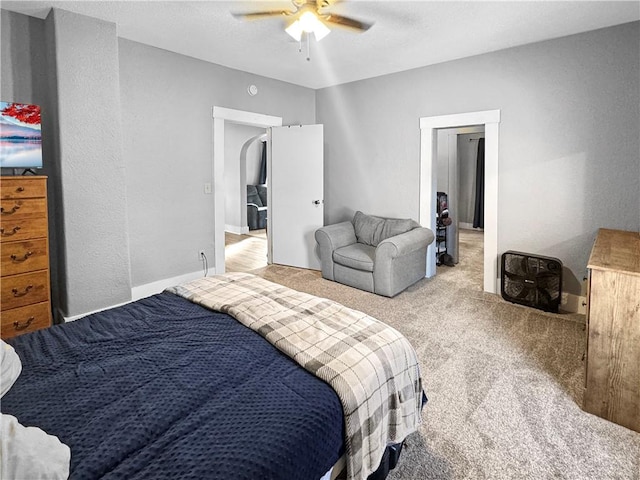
[(305, 38)]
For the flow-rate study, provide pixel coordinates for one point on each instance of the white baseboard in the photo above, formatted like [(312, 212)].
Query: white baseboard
[(573, 303), (148, 289), (143, 291), (235, 229), (73, 318)]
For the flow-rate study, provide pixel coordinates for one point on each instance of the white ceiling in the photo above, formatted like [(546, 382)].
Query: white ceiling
[(406, 34)]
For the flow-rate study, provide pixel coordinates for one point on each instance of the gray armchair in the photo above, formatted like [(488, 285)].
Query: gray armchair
[(379, 255)]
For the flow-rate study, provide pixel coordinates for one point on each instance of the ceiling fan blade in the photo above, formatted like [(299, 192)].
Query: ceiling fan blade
[(261, 15), (326, 3), (346, 22)]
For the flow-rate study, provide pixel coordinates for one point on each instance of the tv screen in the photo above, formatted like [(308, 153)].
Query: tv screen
[(20, 136)]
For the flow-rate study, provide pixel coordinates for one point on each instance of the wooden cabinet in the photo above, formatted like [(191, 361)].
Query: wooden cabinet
[(612, 378), (25, 299)]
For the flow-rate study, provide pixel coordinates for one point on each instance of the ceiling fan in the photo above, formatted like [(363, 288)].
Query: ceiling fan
[(309, 16)]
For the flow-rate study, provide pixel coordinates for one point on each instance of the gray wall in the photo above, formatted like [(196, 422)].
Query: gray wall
[(167, 102), (128, 148), (95, 271), (569, 149), (254, 161)]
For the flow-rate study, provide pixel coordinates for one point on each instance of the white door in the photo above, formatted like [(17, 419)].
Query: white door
[(295, 189)]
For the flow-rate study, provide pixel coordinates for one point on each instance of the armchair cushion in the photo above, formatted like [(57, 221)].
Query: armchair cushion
[(368, 228), (372, 230), (397, 226), (356, 255)]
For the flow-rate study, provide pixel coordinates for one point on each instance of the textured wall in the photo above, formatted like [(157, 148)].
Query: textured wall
[(93, 214), (569, 149), (167, 102)]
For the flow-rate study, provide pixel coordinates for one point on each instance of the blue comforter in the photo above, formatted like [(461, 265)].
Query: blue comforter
[(163, 388)]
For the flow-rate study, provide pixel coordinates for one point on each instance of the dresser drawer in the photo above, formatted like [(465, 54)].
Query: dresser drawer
[(13, 229), (28, 208), (25, 319), (23, 257), (29, 187), (24, 289)]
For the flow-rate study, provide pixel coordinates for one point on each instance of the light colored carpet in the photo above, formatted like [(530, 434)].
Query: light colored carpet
[(504, 381)]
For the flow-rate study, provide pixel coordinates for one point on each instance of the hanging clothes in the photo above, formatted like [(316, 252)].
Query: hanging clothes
[(263, 165), (478, 213)]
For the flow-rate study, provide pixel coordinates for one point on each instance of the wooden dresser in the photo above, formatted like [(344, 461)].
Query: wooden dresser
[(612, 377), (25, 303)]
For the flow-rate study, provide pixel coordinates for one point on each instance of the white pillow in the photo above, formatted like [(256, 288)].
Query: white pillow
[(29, 452), (10, 367)]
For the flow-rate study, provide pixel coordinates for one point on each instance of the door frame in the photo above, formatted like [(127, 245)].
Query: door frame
[(428, 183), (222, 115)]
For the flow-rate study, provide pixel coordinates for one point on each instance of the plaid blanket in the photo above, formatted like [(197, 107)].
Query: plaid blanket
[(371, 366)]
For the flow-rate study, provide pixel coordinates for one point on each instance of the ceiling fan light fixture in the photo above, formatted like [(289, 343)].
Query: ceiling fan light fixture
[(321, 31), (295, 30), (308, 22)]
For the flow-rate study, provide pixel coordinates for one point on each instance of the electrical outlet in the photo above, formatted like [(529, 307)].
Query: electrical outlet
[(200, 254)]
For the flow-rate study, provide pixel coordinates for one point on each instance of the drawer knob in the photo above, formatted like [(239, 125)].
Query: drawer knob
[(17, 293), (20, 189), (15, 208), (15, 258), (8, 234), (21, 326)]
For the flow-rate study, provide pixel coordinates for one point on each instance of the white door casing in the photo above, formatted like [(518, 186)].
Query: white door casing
[(295, 194), (222, 115), (428, 184)]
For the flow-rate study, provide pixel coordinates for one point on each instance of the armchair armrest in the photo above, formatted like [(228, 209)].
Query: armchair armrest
[(252, 216), (401, 261), (404, 243), (330, 238)]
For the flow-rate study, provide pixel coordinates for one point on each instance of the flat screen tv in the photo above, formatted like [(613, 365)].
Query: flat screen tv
[(20, 136)]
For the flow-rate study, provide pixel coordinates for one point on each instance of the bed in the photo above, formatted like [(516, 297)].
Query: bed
[(183, 385)]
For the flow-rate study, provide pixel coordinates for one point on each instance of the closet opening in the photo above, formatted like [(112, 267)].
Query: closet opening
[(429, 128), (460, 204)]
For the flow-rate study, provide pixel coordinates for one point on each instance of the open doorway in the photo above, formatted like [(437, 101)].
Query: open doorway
[(246, 252), (460, 205), (245, 198), (429, 127), (222, 117)]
